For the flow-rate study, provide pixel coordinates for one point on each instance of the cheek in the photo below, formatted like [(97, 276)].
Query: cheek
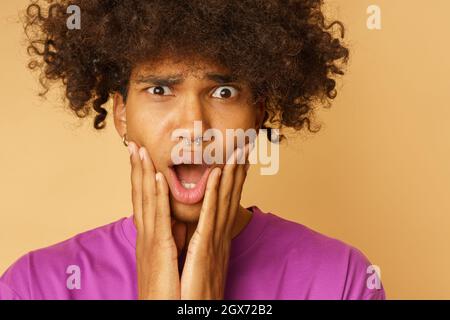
[(152, 132), (149, 122), (240, 118)]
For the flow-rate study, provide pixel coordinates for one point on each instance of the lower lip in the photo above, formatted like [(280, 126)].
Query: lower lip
[(188, 196)]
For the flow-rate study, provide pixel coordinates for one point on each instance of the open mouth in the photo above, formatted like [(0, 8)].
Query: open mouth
[(188, 182)]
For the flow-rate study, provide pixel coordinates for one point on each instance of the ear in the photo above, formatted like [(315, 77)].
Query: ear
[(260, 113), (120, 116)]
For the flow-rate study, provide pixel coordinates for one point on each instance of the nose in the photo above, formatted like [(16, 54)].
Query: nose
[(193, 118)]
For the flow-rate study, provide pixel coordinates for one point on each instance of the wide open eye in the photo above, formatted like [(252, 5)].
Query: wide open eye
[(225, 92), (160, 90)]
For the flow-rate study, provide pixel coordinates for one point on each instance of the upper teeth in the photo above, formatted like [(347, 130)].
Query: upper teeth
[(188, 185)]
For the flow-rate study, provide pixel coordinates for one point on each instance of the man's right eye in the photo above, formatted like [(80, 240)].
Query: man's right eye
[(160, 90)]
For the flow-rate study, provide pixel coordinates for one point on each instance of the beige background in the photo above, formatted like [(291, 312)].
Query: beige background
[(377, 175)]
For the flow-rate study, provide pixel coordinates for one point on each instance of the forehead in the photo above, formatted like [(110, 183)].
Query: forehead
[(194, 66)]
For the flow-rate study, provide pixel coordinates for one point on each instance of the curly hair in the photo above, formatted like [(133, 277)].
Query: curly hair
[(283, 49)]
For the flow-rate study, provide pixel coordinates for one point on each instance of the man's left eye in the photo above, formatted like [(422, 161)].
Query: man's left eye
[(225, 92)]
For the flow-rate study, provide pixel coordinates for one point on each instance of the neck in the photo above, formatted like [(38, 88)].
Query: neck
[(243, 217)]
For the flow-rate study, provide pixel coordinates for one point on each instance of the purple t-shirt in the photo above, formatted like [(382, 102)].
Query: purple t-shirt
[(272, 258)]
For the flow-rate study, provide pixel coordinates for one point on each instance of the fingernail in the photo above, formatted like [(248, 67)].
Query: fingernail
[(158, 176), (142, 153), (130, 148)]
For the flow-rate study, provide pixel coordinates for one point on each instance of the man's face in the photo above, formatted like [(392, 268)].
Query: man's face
[(168, 95)]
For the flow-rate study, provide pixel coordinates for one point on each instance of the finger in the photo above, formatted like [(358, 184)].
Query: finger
[(163, 223), (136, 186), (225, 190), (205, 226), (239, 179), (148, 191)]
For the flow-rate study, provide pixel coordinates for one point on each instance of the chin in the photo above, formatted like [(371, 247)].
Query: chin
[(187, 213)]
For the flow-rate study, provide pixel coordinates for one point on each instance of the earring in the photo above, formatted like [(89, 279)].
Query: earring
[(124, 139)]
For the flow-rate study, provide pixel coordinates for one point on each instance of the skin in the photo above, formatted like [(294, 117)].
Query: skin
[(166, 227)]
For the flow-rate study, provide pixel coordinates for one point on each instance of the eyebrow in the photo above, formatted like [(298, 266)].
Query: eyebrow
[(221, 78), (175, 79), (160, 80)]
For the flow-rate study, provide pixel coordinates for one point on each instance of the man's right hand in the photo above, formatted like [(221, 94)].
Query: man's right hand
[(157, 250)]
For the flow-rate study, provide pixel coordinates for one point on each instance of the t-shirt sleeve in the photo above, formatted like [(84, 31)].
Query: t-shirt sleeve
[(363, 279), (14, 283), (6, 293)]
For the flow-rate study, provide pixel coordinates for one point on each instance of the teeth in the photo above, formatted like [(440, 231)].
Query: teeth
[(188, 185)]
